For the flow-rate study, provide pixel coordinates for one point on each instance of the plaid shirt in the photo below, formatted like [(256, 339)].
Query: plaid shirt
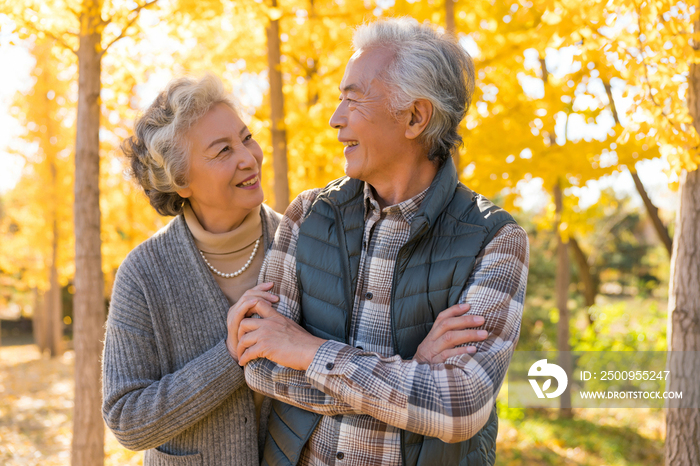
[(366, 392)]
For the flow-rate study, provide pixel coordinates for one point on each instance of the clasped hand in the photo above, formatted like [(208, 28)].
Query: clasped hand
[(272, 336)]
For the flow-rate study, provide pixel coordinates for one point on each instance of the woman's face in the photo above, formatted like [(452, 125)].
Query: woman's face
[(224, 175)]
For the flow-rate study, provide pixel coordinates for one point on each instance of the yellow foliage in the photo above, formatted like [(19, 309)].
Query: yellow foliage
[(518, 128), (44, 195)]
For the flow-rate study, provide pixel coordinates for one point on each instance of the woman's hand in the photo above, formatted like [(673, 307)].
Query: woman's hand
[(277, 338), (238, 311), (450, 330)]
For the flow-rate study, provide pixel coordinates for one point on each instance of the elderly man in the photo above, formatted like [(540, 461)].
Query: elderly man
[(377, 266)]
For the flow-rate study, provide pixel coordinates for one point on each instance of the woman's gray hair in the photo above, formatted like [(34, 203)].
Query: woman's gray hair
[(426, 65), (157, 153)]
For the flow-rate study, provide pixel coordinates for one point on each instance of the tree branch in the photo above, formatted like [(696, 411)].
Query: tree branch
[(122, 34), (653, 212), (602, 233), (59, 41), (30, 25), (645, 66), (613, 107), (586, 277), (651, 209)]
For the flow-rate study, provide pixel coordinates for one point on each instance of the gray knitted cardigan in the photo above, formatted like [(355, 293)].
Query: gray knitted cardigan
[(170, 385)]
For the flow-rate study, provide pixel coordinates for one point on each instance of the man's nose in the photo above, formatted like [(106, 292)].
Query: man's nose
[(339, 118)]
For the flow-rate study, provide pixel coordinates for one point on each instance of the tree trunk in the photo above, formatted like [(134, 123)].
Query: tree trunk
[(452, 29), (279, 131), (561, 288), (53, 307), (89, 306), (39, 322), (450, 17), (683, 425)]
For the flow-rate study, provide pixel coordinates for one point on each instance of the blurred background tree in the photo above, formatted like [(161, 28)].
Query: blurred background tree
[(37, 228)]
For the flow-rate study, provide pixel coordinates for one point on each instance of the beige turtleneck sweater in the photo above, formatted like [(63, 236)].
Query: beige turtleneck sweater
[(227, 253)]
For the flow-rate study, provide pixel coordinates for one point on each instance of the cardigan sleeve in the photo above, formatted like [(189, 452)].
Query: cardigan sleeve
[(143, 406)]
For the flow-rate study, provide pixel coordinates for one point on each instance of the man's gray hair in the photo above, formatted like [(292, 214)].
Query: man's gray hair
[(157, 153), (426, 65)]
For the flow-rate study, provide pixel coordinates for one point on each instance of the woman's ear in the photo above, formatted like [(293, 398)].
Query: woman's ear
[(184, 192), (420, 114)]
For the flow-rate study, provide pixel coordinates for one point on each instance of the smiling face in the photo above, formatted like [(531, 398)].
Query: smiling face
[(374, 139), (224, 172)]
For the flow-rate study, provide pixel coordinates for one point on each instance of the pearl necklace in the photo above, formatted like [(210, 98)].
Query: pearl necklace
[(237, 272)]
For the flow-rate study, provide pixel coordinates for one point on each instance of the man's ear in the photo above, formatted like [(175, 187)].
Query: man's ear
[(420, 114)]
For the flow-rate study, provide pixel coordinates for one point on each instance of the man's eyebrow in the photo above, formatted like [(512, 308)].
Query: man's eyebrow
[(228, 139), (350, 87)]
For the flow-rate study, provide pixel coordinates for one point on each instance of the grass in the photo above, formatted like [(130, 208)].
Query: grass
[(36, 402), (595, 437)]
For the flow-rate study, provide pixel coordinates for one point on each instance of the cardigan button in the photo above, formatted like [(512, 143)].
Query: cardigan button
[(369, 296), (330, 366), (340, 455)]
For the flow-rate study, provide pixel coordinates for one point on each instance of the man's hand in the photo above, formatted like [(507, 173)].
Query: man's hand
[(275, 337), (450, 330), (238, 311)]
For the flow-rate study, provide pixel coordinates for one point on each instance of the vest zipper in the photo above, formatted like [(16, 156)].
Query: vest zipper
[(399, 259), (394, 340), (345, 260)]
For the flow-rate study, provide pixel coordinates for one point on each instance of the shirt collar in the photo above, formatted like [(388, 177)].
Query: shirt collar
[(408, 208)]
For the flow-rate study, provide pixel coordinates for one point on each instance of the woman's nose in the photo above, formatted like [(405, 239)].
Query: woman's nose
[(247, 160)]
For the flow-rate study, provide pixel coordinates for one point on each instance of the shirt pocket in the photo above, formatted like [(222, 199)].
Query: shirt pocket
[(158, 458)]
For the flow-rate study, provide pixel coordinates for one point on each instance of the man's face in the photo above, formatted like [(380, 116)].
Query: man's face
[(374, 139)]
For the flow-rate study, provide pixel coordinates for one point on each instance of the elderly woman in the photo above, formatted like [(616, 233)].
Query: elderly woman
[(172, 384)]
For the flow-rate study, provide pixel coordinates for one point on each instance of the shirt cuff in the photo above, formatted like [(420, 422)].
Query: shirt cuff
[(330, 359)]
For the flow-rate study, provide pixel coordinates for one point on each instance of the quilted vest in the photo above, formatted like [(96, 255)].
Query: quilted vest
[(451, 227)]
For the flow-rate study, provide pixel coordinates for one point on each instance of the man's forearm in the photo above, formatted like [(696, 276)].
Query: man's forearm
[(451, 401), (292, 387)]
